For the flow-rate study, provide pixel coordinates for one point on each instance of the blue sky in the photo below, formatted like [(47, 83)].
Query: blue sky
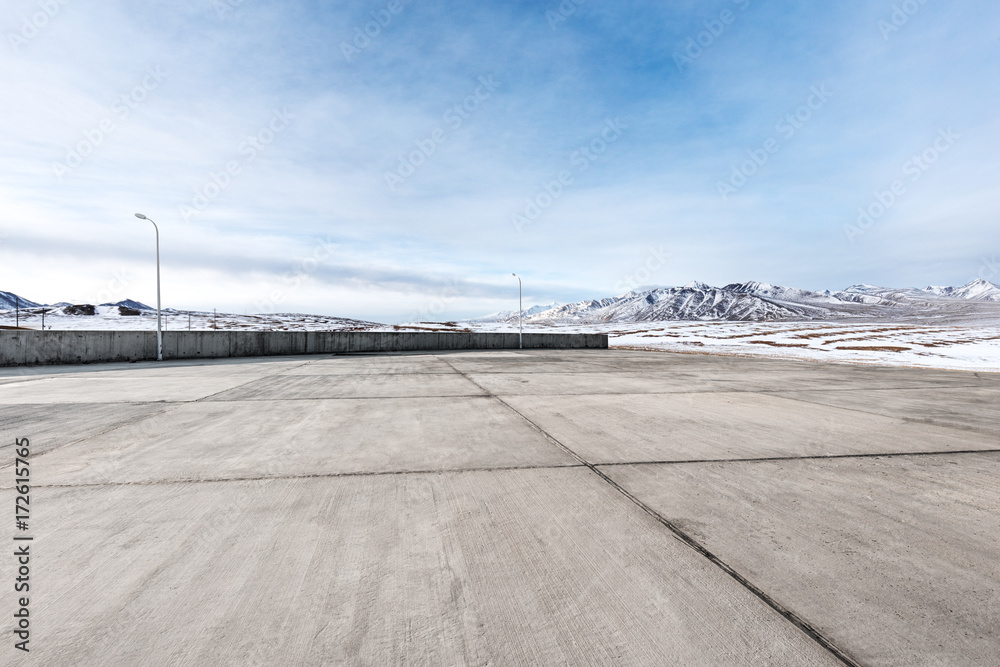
[(296, 164)]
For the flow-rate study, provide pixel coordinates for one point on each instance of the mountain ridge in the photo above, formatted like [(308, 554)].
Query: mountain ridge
[(758, 302)]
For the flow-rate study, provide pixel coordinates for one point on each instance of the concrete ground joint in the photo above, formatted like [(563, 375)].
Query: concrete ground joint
[(681, 535)]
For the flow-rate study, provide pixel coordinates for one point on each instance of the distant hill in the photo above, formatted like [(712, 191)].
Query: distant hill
[(129, 303), (131, 315), (11, 301)]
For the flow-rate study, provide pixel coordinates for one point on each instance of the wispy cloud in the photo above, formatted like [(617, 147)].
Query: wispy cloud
[(223, 68)]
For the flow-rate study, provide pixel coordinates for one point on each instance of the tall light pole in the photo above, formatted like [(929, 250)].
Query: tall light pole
[(159, 327), (520, 312)]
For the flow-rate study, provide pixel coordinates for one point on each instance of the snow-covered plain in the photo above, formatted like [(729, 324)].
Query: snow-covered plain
[(969, 347), (974, 348)]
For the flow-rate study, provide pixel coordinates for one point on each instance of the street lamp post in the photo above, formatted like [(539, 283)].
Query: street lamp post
[(520, 312), (159, 327)]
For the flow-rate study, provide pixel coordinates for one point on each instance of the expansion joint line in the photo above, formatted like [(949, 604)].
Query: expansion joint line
[(248, 382), (788, 614)]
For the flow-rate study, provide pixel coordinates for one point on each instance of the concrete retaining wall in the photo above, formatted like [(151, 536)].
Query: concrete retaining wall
[(20, 348)]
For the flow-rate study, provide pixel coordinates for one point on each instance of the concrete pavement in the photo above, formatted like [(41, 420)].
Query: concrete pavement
[(507, 508)]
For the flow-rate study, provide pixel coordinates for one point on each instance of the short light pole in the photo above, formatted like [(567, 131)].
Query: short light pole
[(520, 312), (159, 327)]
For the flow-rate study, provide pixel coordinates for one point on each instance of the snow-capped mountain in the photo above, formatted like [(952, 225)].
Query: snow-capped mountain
[(977, 290), (694, 301), (787, 294), (11, 301), (511, 315), (759, 302)]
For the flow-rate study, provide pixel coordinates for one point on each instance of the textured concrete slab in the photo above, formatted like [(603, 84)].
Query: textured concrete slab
[(168, 368), (369, 365), (776, 381), (894, 558), (973, 408), (543, 567), (387, 509), (58, 425), (527, 383), (390, 385), (700, 426), (547, 362), (222, 440), (79, 388), (662, 379)]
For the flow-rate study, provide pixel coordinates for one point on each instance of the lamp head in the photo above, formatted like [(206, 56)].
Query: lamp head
[(141, 216)]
